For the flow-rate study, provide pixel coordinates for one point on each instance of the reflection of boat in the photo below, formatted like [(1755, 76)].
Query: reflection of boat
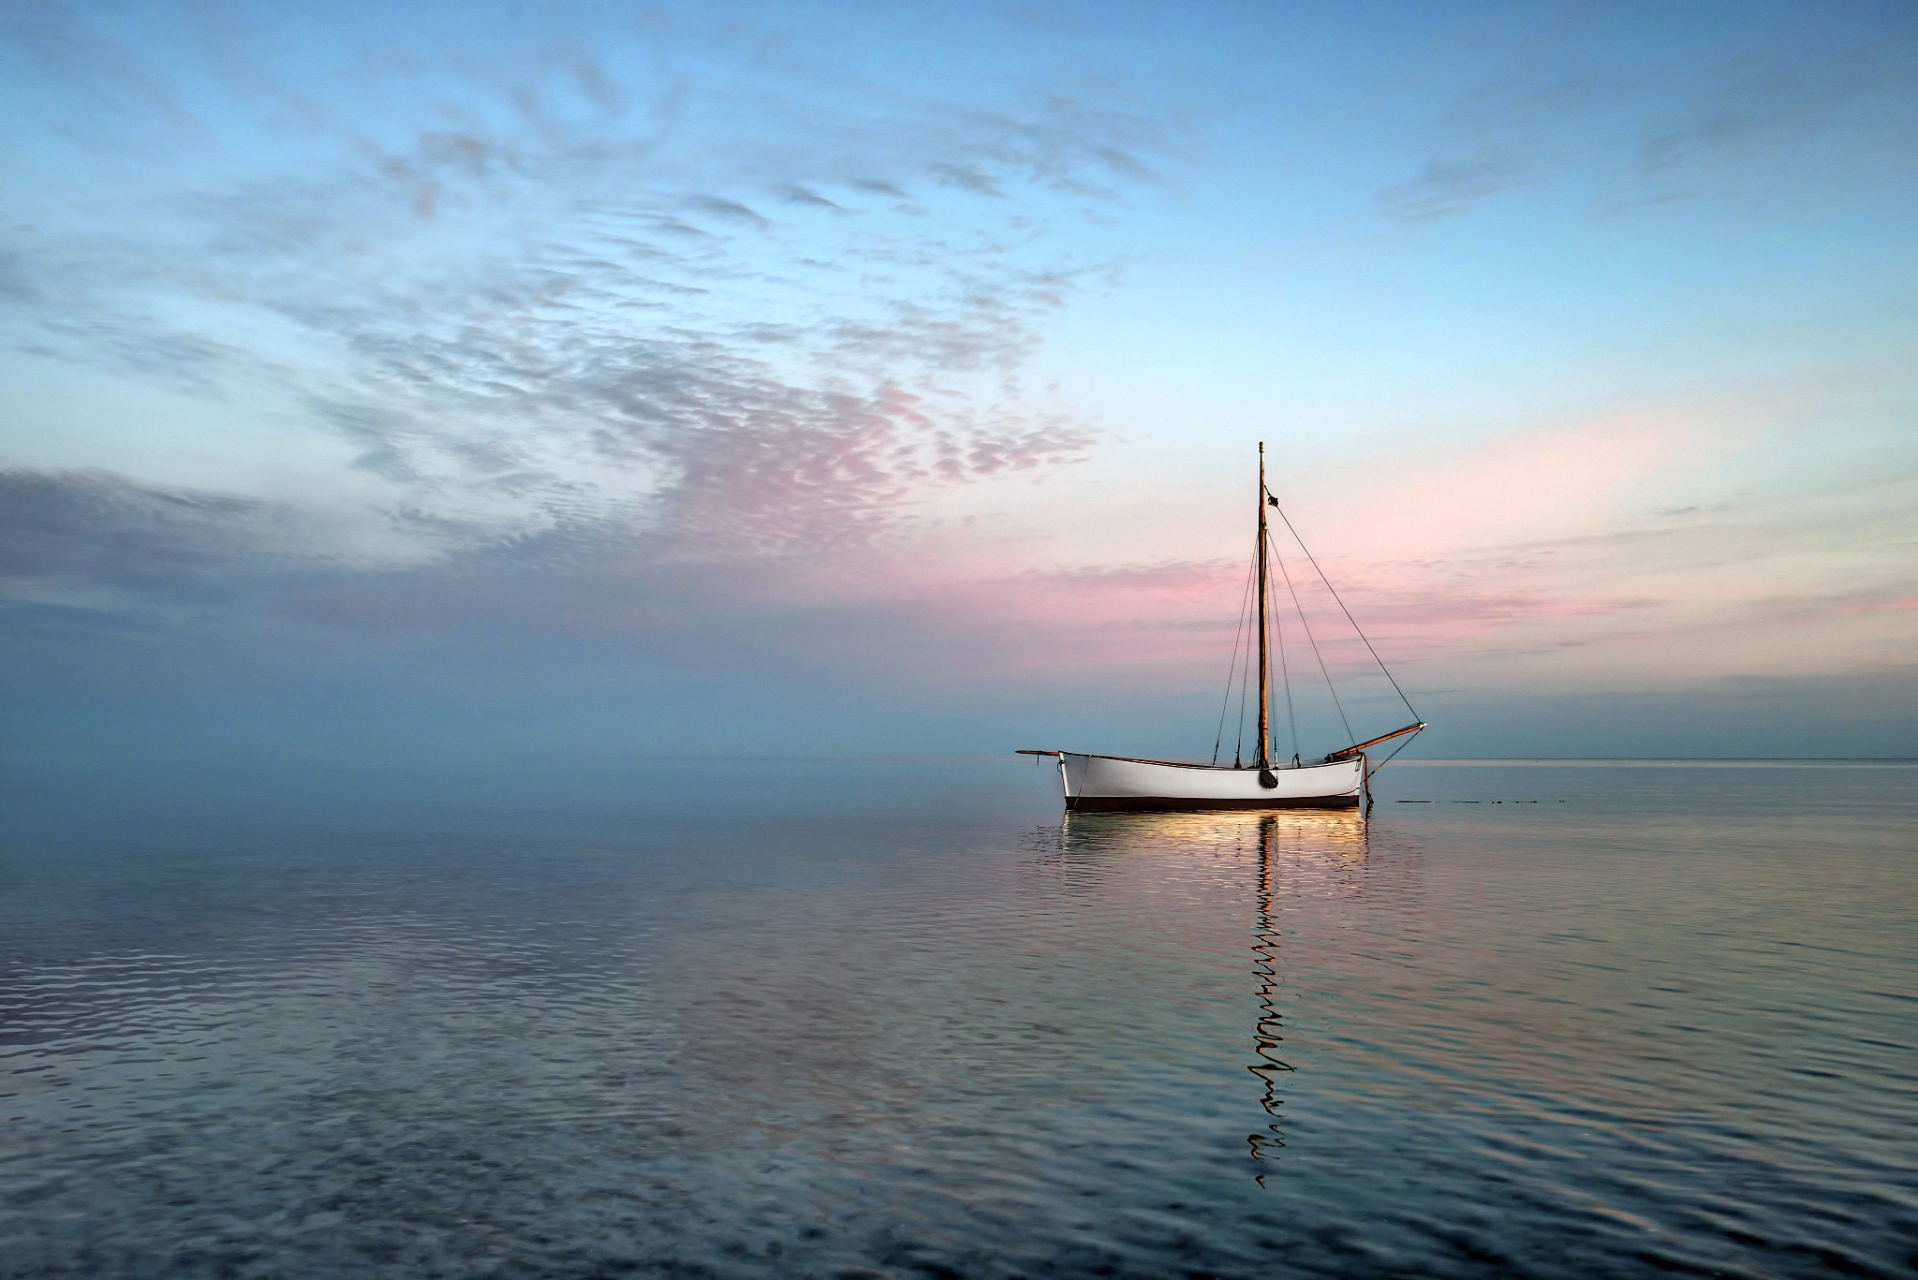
[(1327, 836), (1338, 781)]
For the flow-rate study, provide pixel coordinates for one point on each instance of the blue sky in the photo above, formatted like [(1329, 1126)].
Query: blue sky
[(606, 378)]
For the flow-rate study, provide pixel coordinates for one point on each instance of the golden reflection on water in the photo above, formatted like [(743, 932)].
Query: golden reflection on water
[(1335, 834), (1331, 846)]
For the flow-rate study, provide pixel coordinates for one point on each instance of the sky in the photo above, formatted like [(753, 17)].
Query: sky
[(488, 380)]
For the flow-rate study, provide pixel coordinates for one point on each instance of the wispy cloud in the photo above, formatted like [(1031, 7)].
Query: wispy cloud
[(1446, 187), (1632, 137)]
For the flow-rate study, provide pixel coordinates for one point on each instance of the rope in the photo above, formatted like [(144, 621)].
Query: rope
[(1348, 613), (1285, 673), (1330, 687), (1245, 680), (1231, 669), (1395, 750)]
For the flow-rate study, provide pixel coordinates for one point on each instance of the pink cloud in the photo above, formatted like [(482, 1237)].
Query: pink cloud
[(1878, 606), (1548, 479)]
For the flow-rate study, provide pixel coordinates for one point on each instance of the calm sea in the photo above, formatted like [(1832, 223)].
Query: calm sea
[(901, 1019)]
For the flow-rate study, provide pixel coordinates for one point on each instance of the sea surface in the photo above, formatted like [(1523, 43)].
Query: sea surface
[(903, 1018)]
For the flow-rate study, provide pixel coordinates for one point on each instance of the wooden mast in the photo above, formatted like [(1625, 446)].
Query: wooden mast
[(1265, 659)]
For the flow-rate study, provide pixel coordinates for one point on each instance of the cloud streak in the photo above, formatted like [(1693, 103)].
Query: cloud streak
[(1645, 134)]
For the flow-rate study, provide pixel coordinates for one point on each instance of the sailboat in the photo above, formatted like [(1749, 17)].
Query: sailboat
[(1339, 780)]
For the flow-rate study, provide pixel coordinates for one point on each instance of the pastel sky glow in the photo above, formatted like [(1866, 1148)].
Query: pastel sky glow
[(886, 379)]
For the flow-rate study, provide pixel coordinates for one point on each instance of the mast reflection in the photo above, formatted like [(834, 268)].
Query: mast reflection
[(1268, 1031)]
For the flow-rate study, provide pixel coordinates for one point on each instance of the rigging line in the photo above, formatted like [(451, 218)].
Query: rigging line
[(1238, 743), (1307, 624), (1245, 600), (1245, 672), (1347, 612), (1395, 750), (1231, 670), (1285, 673)]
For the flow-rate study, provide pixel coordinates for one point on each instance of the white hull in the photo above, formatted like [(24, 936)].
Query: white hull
[(1114, 782)]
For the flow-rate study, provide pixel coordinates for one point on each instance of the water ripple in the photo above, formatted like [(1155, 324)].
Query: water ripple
[(1554, 1042)]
